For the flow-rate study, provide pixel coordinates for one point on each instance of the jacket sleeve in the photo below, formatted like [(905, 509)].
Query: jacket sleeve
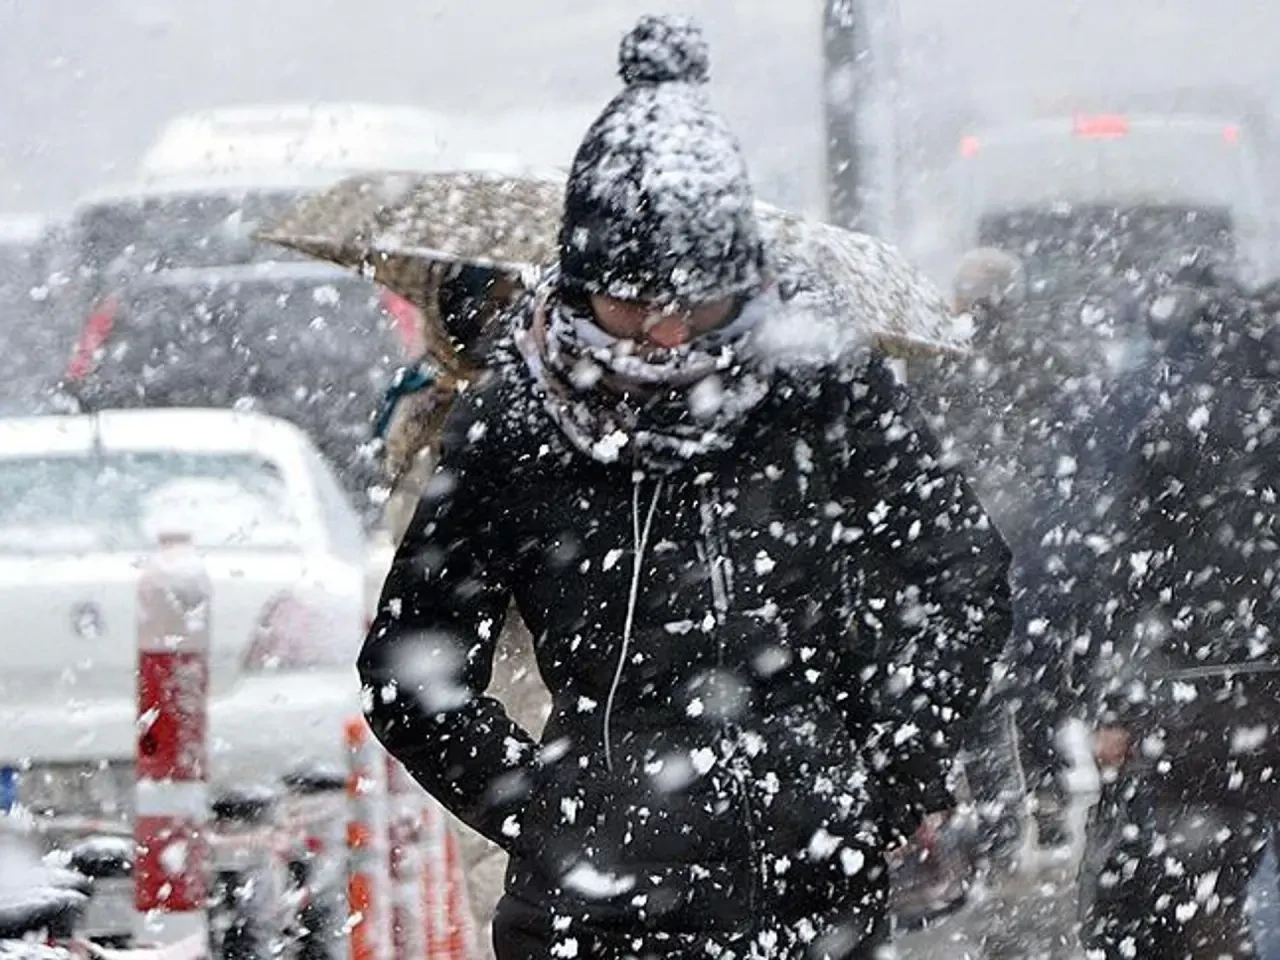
[(428, 657), (1154, 507), (930, 579)]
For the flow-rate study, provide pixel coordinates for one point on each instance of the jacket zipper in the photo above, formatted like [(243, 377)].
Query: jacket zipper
[(721, 570)]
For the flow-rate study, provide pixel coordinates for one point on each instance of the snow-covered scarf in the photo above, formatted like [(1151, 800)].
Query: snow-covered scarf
[(665, 406)]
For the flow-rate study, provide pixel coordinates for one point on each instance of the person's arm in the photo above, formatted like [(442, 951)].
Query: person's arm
[(429, 654), (1131, 602), (930, 575), (1173, 494)]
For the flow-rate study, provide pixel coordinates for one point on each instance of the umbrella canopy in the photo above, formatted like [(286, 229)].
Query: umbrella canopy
[(397, 227), (401, 229), (861, 281)]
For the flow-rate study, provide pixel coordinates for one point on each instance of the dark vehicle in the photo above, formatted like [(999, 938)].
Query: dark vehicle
[(177, 224), (306, 342), (1085, 270), (1096, 204), (176, 304), (33, 347)]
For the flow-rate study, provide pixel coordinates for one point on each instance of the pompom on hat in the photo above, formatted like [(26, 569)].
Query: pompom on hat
[(664, 50), (659, 206)]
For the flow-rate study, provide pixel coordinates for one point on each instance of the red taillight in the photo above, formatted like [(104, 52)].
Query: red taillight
[(408, 321), (1231, 134), (292, 634), (969, 146), (93, 338), (1105, 126)]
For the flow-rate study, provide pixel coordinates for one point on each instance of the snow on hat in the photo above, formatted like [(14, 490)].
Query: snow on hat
[(659, 206)]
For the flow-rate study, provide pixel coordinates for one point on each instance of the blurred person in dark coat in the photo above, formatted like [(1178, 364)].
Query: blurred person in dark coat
[(1189, 723)]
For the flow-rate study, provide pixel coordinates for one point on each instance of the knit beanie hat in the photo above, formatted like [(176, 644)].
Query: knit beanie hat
[(659, 206)]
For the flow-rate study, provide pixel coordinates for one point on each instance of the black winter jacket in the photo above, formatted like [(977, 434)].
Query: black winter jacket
[(1010, 412), (758, 663), (1192, 578)]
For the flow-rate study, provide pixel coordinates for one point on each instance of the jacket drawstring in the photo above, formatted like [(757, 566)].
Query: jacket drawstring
[(640, 543)]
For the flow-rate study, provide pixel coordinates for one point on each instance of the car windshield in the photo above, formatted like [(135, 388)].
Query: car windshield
[(53, 504), (307, 345)]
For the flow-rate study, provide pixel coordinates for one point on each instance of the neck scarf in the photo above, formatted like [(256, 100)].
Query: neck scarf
[(664, 407)]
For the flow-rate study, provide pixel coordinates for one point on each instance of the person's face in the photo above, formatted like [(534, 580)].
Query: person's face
[(664, 327)]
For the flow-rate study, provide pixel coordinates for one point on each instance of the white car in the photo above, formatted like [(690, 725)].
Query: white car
[(335, 140), (82, 501), (337, 137)]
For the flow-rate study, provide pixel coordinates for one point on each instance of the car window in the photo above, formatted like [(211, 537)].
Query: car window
[(111, 242), (162, 232), (124, 501)]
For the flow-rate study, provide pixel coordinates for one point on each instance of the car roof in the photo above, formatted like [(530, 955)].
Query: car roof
[(256, 181), (228, 126), (179, 430), (342, 136), (522, 139), (23, 228), (256, 117)]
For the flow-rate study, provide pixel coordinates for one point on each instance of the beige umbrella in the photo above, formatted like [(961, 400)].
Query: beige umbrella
[(400, 229), (403, 230), (861, 280), (396, 227)]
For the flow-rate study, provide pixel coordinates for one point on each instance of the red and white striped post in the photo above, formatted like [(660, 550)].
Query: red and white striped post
[(368, 865), (461, 935), (171, 866), (433, 877), (408, 917), (447, 907)]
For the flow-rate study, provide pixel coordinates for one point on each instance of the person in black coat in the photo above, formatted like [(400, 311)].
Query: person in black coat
[(759, 600), (1005, 409), (971, 402), (1189, 720)]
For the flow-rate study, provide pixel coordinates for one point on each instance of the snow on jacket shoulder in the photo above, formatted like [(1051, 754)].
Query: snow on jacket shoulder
[(757, 663)]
